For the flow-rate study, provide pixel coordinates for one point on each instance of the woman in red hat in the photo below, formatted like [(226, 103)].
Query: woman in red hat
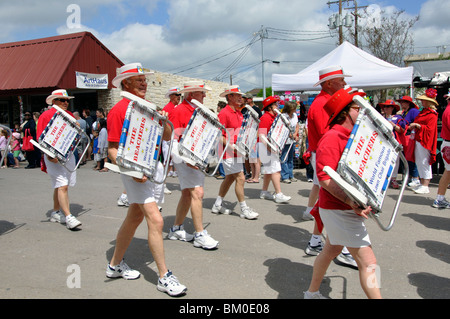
[(341, 216), (425, 127), (271, 166), (409, 113)]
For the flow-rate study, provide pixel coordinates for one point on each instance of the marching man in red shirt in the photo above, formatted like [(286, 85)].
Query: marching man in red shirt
[(61, 177), (231, 117), (142, 194), (191, 178), (331, 80)]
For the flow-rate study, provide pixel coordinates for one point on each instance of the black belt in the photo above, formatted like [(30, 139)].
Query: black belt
[(446, 140)]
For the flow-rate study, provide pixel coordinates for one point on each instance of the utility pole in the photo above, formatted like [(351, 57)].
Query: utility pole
[(356, 15), (341, 36), (263, 34)]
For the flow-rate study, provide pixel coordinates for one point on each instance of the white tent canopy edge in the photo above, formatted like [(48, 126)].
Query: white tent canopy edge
[(367, 72)]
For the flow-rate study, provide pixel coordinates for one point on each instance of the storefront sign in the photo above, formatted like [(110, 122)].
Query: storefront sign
[(92, 81)]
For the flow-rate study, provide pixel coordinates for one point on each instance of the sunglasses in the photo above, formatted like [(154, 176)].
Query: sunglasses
[(62, 100)]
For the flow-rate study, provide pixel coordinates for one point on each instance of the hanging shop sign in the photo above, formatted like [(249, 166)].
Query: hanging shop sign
[(92, 81)]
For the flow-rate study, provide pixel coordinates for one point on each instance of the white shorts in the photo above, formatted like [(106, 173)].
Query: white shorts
[(270, 162), (189, 177), (233, 165), (345, 228), (59, 175), (422, 159), (144, 193), (444, 144)]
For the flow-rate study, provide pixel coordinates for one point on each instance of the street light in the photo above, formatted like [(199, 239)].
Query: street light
[(263, 75)]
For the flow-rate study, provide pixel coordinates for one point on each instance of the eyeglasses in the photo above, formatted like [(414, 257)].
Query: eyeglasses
[(62, 100), (355, 107), (141, 81)]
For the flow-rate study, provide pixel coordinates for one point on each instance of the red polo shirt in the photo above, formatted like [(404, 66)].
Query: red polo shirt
[(169, 107), (180, 117), (115, 120), (44, 119), (445, 131), (232, 120), (328, 153), (265, 123), (317, 120)]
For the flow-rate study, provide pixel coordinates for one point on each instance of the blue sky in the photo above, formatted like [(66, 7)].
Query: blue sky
[(177, 35)]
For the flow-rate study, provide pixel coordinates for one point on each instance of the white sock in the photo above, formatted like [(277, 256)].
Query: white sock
[(243, 205), (345, 251), (308, 210), (440, 197), (219, 201)]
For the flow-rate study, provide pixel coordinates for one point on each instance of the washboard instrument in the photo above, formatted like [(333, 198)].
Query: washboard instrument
[(365, 169), (140, 143), (5, 153), (248, 134), (278, 134), (61, 137), (201, 143)]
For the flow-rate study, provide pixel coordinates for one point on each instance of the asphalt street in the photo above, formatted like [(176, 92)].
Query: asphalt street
[(256, 259)]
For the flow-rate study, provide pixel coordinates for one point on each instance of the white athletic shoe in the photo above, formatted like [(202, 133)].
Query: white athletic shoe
[(72, 222), (122, 270), (313, 295), (281, 198), (220, 210), (205, 241), (266, 195), (421, 190), (58, 217), (170, 285), (123, 201), (248, 213), (179, 234)]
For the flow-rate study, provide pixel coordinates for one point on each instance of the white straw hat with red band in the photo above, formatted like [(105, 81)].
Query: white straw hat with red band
[(233, 89), (174, 90), (332, 72), (58, 94), (195, 86), (128, 71)]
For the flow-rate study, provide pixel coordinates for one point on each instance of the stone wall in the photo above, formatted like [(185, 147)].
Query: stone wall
[(158, 85)]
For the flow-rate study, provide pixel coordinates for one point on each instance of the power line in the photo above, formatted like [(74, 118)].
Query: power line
[(238, 59), (206, 60)]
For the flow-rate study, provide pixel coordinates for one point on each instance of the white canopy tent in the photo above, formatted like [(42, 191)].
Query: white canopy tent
[(368, 72)]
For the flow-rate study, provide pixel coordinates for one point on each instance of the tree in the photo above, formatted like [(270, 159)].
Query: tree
[(386, 36), (389, 38)]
